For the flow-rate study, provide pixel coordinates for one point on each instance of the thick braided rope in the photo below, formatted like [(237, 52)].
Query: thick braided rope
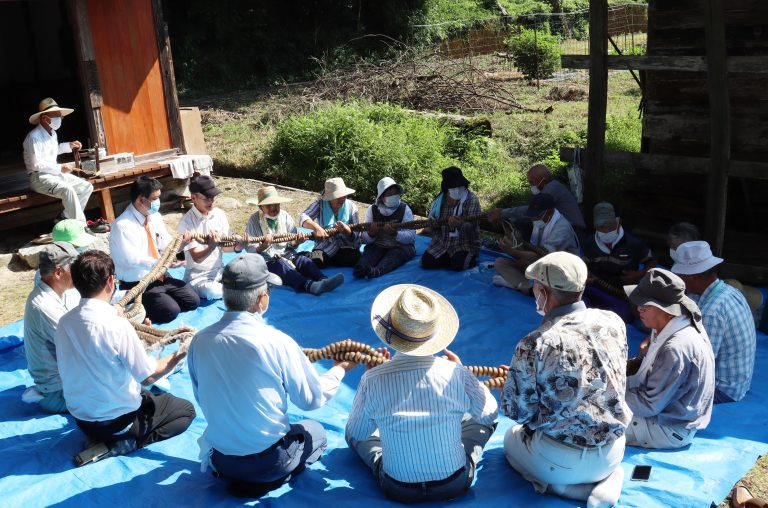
[(363, 226), (163, 264)]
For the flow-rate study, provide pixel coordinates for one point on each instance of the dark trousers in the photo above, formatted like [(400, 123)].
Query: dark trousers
[(159, 417), (300, 275), (377, 260), (346, 256), (165, 299), (460, 261), (301, 446), (596, 298)]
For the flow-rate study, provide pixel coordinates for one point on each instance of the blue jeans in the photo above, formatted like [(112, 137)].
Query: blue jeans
[(301, 446), (299, 278)]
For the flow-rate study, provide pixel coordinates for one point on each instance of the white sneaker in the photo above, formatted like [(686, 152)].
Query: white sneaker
[(32, 395), (500, 281)]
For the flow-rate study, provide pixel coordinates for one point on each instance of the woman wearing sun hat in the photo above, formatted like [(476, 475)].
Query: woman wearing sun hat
[(333, 209), (46, 176), (420, 422)]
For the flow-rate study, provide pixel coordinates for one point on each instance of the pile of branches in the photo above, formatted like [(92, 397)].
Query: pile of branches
[(416, 80)]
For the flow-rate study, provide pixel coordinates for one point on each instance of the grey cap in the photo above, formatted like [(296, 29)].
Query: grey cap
[(603, 213), (666, 291), (248, 271), (57, 254)]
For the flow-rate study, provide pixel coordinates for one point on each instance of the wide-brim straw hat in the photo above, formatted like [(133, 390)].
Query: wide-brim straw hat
[(268, 196), (335, 188), (48, 105), (414, 320)]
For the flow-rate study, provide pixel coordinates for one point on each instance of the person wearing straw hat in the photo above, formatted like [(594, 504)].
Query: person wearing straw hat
[(333, 209), (52, 297), (727, 319), (296, 271), (46, 176), (204, 261), (565, 390), (244, 372), (386, 248), (418, 421), (671, 392), (455, 244)]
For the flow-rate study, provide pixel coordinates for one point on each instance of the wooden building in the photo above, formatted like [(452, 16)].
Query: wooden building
[(705, 125), (110, 60)]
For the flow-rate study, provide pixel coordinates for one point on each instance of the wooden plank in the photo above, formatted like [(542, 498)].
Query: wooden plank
[(643, 63), (169, 78), (720, 124), (598, 100), (107, 211)]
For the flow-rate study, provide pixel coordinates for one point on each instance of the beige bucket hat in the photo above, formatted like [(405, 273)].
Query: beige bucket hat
[(414, 320), (267, 196), (48, 105), (335, 188)]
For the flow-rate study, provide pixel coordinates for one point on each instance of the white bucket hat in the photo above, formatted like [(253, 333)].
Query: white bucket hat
[(694, 258), (414, 320), (384, 184), (335, 188), (48, 105)]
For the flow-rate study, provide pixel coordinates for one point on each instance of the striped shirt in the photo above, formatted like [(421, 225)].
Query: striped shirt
[(731, 331), (333, 243), (417, 404)]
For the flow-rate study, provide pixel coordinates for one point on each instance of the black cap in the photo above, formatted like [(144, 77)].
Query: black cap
[(204, 185), (453, 177), (539, 204)]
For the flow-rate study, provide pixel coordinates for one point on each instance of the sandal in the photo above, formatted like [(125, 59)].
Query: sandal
[(741, 497)]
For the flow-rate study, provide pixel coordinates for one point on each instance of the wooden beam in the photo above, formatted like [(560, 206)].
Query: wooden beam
[(169, 78), (598, 100), (720, 124), (757, 64)]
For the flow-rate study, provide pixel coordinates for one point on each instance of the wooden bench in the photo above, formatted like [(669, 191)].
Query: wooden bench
[(102, 187)]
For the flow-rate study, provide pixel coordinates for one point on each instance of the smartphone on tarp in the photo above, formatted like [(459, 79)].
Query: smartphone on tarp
[(641, 473)]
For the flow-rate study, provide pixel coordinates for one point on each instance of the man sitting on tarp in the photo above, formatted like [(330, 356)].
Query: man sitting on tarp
[(51, 298), (243, 373), (671, 392), (727, 319), (103, 366), (419, 422), (565, 390)]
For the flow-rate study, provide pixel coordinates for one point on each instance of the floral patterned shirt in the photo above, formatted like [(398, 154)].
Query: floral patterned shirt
[(567, 378)]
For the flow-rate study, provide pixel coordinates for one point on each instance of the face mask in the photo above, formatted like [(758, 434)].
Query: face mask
[(540, 308), (456, 193), (535, 190), (273, 217), (392, 201), (154, 206), (608, 237), (673, 255), (55, 122)]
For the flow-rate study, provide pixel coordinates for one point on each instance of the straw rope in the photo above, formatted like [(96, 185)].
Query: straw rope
[(348, 350)]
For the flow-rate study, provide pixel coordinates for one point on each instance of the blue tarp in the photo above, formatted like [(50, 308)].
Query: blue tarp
[(36, 449)]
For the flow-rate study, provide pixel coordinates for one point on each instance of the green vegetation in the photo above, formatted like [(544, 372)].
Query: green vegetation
[(535, 53)]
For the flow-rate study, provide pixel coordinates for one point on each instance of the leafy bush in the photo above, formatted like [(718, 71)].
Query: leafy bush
[(363, 142), (623, 132), (535, 53)]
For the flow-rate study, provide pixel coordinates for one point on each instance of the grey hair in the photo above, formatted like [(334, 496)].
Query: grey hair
[(48, 270), (565, 297), (684, 231), (242, 299)]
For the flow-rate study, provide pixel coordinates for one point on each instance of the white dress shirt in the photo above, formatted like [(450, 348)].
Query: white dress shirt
[(129, 246), (41, 149), (243, 374), (193, 220), (418, 403), (101, 362), (42, 313)]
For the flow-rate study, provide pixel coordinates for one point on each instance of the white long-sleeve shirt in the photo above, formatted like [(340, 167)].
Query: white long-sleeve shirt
[(41, 150), (129, 245), (243, 374)]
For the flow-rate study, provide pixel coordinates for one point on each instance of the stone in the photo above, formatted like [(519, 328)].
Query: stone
[(228, 203), (5, 260)]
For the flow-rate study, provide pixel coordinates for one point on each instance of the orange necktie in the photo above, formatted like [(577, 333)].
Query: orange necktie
[(152, 248)]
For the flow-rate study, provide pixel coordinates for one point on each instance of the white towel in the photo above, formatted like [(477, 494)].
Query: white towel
[(184, 166)]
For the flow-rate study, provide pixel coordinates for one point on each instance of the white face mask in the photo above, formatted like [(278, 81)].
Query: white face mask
[(55, 122), (609, 237), (273, 217), (540, 308), (391, 201), (456, 193), (535, 190)]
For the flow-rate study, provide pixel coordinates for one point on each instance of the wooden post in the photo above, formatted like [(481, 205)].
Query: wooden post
[(169, 78), (719, 124), (598, 100)]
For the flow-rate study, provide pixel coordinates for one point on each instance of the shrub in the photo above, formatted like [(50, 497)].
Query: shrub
[(623, 132), (535, 53), (363, 142)]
